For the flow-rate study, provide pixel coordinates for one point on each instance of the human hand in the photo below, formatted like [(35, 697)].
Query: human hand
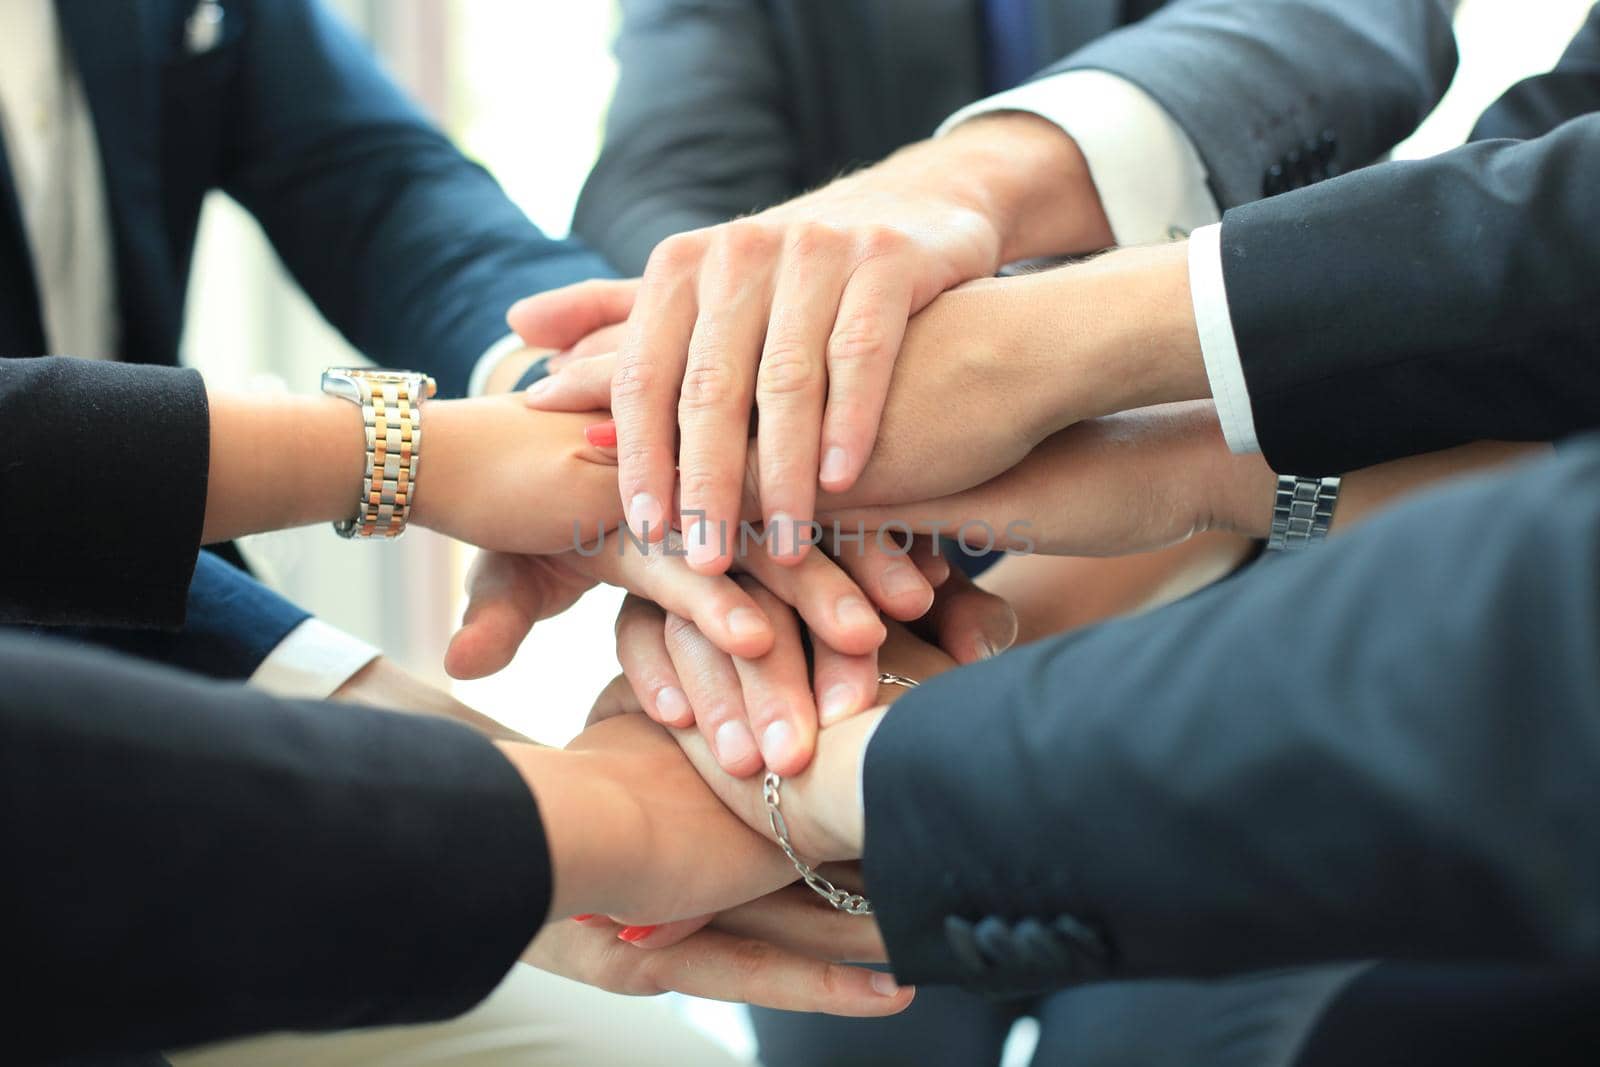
[(839, 601), (495, 477), (634, 833), (800, 309), (762, 710), (775, 952), (993, 368)]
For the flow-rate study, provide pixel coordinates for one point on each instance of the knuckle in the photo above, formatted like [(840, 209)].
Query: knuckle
[(857, 341), (877, 242), (790, 369), (679, 254), (812, 238), (747, 959), (742, 240), (679, 630), (635, 379), (699, 487), (706, 387)]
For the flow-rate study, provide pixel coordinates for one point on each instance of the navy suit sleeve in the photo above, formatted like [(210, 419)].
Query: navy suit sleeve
[(1388, 748), (1414, 306), (233, 623), (413, 251)]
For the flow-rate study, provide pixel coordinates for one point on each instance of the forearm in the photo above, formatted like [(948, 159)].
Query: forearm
[(487, 468), (279, 462)]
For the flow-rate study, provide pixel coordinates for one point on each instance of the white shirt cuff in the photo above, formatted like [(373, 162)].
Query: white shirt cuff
[(1219, 346), (490, 361), (313, 661), (1152, 183)]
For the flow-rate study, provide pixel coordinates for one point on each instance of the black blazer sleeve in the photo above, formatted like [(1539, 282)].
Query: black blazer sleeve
[(103, 472), (1387, 748), (198, 861), (1414, 306), (413, 251), (700, 129)]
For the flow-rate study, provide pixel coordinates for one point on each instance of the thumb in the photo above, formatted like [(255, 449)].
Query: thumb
[(562, 317), (496, 620)]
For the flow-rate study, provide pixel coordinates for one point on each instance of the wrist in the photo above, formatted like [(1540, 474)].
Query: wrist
[(1029, 177), (823, 803), (280, 461), (592, 828), (1112, 335)]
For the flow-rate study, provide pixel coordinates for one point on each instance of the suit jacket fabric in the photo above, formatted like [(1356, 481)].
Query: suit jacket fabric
[(1280, 94), (104, 490), (232, 623), (412, 251), (1388, 748), (727, 106), (1416, 306), (200, 861)]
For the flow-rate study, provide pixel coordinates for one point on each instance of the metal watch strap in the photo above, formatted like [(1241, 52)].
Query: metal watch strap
[(391, 416), (1302, 512)]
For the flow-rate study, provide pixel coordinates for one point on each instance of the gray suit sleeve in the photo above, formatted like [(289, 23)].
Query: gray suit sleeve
[(1389, 747), (698, 132), (1309, 87)]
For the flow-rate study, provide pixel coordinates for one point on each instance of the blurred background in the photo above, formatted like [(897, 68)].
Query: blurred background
[(523, 85)]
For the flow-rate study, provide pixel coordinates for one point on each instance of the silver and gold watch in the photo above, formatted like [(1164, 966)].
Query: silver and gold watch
[(391, 410)]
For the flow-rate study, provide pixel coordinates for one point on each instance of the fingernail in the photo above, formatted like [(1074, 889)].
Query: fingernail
[(672, 705), (631, 934), (540, 387), (776, 742), (902, 578), (985, 649), (735, 744), (581, 918), (644, 512), (785, 534), (835, 465), (701, 545), (746, 622), (884, 984), (838, 702), (601, 434), (853, 612)]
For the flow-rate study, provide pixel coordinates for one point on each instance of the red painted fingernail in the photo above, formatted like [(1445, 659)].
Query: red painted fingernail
[(581, 918), (631, 934), (601, 434)]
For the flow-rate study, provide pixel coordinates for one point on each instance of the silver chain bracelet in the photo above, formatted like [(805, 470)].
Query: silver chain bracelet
[(847, 902)]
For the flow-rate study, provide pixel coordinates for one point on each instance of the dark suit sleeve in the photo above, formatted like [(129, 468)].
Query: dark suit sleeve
[(232, 624), (102, 491), (410, 249), (199, 861), (1279, 94), (698, 132), (1414, 306), (1536, 106), (1389, 747)]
